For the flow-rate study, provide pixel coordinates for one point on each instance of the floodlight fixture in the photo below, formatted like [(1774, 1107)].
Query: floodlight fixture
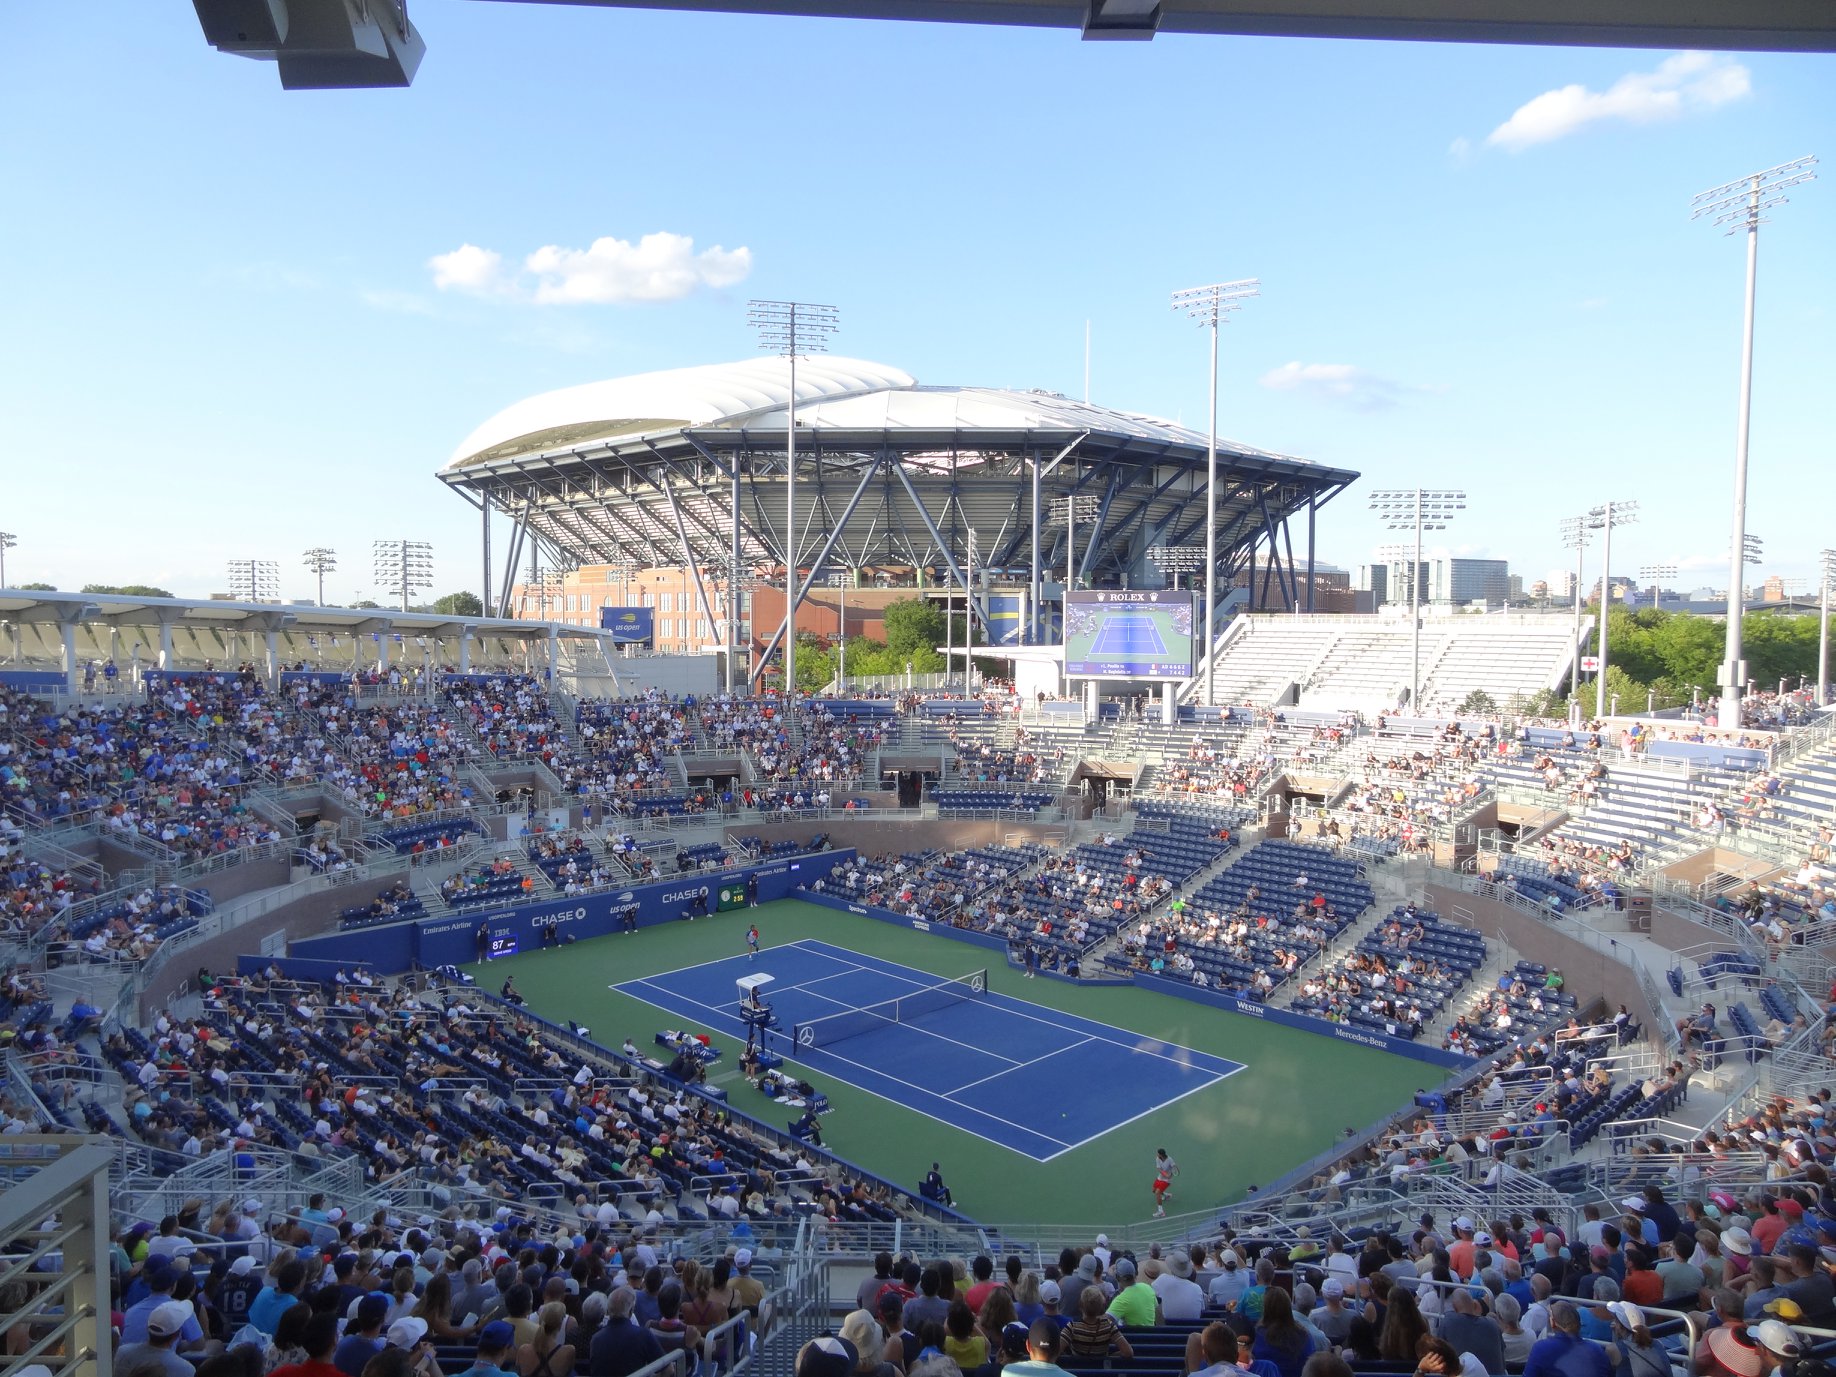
[(254, 580), (1210, 306), (1826, 581), (1605, 517), (1420, 509), (402, 567), (792, 329), (7, 541), (321, 561), (1738, 206), (1654, 574), (1174, 560)]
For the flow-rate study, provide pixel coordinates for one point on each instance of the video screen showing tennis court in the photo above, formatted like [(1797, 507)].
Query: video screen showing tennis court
[(1124, 634), (988, 1064)]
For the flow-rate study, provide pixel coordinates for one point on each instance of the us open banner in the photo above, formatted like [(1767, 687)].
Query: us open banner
[(628, 625)]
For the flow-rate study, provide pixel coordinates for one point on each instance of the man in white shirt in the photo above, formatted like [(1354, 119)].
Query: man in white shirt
[(1180, 1298)]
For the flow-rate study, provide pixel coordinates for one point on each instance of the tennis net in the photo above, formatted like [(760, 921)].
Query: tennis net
[(851, 1023)]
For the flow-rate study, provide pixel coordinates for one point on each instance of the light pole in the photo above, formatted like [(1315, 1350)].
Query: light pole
[(7, 541), (1656, 574), (320, 562), (1079, 506), (839, 580), (1826, 575), (1424, 509), (254, 580), (1209, 306), (791, 328), (1605, 517), (1738, 206), (1575, 536), (402, 567)]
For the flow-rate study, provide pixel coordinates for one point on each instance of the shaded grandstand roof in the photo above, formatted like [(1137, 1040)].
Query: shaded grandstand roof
[(27, 607), (833, 394)]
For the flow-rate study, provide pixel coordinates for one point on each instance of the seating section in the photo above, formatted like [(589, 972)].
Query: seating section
[(956, 802), (417, 838)]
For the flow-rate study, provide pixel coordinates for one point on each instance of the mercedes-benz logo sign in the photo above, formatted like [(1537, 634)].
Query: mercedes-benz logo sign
[(976, 984), (806, 1037)]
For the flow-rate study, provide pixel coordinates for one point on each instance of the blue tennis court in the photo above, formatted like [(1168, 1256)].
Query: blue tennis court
[(1036, 1080), (1128, 635)]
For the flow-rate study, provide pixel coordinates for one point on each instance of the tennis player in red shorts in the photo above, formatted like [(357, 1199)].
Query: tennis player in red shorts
[(1165, 1169)]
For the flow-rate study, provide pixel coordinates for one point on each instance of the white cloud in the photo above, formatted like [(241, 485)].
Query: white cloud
[(1344, 384), (469, 268), (658, 267), (1685, 83)]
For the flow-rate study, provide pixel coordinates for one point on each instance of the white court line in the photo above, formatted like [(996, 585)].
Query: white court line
[(1017, 1066), (902, 1104), (817, 947), (1009, 1001), (1151, 1109)]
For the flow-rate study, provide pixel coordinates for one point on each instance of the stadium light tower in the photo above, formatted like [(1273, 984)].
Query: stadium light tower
[(1576, 532), (1738, 206), (1605, 517), (7, 541), (1826, 577), (402, 567), (791, 328), (1424, 509), (840, 579), (1209, 306), (321, 562), (254, 580), (1654, 574), (1175, 560)]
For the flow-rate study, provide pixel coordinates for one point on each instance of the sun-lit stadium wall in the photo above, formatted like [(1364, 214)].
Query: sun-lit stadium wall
[(452, 938), (678, 674), (1586, 972)]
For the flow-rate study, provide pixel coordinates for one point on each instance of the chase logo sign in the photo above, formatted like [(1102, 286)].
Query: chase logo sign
[(680, 894)]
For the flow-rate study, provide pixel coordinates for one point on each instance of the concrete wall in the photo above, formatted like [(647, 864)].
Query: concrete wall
[(1588, 974), (304, 917), (697, 674)]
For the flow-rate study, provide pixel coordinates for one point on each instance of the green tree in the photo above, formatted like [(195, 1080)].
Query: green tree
[(1478, 701), (1779, 647), (459, 605), (912, 624), (126, 590), (37, 587)]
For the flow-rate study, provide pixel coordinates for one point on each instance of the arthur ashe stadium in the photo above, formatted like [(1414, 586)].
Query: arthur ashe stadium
[(560, 995)]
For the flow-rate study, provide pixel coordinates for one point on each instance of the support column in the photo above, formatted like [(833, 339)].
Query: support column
[(165, 645), (1169, 711), (273, 639), (554, 650), (1091, 698), (382, 649), (73, 680), (465, 652)]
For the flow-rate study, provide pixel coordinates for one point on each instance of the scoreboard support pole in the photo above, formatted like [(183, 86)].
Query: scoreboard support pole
[(1169, 713)]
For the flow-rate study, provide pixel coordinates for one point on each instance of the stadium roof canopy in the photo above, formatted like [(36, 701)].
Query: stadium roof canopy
[(687, 467), (318, 43), (66, 629)]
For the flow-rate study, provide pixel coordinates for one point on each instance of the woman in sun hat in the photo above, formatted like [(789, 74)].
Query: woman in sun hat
[(1633, 1351)]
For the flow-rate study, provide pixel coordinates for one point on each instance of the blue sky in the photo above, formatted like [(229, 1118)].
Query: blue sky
[(234, 327)]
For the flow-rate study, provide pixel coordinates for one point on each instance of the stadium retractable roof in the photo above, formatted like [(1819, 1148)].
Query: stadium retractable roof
[(687, 467)]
